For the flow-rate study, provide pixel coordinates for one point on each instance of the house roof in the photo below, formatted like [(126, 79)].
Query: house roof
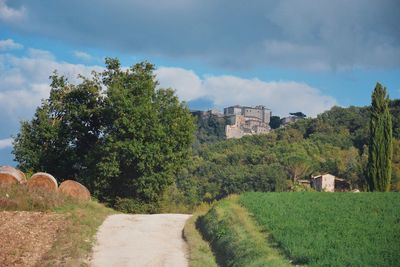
[(336, 178)]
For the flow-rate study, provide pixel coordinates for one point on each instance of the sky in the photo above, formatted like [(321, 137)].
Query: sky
[(288, 55)]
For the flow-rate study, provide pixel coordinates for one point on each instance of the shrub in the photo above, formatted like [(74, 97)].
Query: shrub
[(129, 205)]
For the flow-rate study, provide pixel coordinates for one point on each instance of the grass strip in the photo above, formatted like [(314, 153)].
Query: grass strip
[(73, 246), (235, 238), (200, 253)]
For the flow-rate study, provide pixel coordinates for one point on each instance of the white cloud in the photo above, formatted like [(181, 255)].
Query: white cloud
[(186, 83), (82, 55), (24, 81), (5, 143), (9, 44), (9, 14), (40, 54), (281, 97)]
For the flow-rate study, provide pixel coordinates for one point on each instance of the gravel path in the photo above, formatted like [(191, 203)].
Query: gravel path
[(141, 240)]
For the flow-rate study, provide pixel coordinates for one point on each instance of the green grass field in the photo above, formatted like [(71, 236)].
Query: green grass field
[(331, 229)]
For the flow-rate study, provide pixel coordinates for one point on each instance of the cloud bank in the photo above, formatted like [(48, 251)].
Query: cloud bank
[(300, 34)]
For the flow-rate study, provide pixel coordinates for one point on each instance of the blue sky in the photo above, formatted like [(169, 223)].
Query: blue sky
[(289, 55)]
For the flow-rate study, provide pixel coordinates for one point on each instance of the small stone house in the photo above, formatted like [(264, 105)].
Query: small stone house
[(329, 183), (323, 182)]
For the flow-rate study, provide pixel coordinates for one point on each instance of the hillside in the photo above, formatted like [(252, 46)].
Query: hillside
[(334, 142)]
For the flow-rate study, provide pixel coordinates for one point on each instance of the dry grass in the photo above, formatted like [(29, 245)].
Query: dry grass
[(73, 246), (24, 198)]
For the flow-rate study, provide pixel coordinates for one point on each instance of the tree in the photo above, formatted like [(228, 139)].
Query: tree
[(275, 122), (297, 166), (298, 114), (116, 132), (380, 142), (147, 137)]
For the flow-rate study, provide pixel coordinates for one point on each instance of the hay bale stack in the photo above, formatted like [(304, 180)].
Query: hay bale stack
[(10, 176), (43, 180), (74, 189)]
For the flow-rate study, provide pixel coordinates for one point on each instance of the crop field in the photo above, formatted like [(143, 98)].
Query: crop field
[(331, 229)]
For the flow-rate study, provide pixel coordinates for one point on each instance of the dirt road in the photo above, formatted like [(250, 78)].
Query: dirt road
[(141, 240)]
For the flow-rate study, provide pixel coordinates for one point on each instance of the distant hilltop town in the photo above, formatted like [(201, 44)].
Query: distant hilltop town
[(245, 120)]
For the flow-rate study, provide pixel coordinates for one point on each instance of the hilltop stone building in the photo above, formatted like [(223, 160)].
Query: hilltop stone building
[(244, 120)]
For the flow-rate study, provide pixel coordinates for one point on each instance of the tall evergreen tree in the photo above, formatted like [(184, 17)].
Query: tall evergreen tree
[(380, 144)]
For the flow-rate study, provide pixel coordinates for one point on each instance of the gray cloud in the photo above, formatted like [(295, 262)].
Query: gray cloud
[(9, 14), (305, 34)]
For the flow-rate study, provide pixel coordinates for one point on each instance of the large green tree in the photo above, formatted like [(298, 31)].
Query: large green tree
[(117, 133), (380, 142)]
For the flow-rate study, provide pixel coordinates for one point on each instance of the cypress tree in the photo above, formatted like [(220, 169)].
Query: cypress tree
[(380, 143)]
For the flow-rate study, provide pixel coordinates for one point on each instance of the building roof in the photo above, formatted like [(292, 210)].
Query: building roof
[(320, 176), (336, 178)]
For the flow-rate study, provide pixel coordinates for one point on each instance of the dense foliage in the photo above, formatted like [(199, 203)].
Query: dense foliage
[(380, 143), (210, 127), (115, 133), (343, 229)]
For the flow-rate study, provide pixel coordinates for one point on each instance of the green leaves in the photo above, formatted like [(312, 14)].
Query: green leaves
[(380, 143)]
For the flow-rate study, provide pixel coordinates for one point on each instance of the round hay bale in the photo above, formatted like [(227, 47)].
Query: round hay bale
[(74, 189), (19, 175), (43, 180), (7, 179)]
